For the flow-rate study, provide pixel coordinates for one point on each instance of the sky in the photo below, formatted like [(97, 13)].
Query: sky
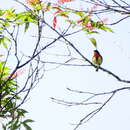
[(48, 115)]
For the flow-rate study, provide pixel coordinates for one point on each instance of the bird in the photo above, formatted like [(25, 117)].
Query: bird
[(97, 59)]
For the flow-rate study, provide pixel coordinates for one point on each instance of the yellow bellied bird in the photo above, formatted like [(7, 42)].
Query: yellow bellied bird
[(97, 59)]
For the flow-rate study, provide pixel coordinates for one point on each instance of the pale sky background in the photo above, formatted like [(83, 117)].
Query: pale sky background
[(115, 49)]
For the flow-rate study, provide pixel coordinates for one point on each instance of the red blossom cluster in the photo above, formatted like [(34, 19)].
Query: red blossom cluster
[(58, 13), (89, 25)]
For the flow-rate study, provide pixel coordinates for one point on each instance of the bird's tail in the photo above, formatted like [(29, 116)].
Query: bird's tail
[(97, 68)]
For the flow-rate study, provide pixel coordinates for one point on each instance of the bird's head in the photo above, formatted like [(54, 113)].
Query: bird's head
[(96, 53)]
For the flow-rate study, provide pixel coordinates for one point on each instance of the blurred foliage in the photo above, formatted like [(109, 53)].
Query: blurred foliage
[(10, 18)]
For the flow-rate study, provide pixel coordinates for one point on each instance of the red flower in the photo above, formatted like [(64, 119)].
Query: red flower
[(54, 22)]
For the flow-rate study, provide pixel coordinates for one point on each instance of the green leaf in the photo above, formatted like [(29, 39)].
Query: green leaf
[(25, 124), (1, 12), (15, 125), (28, 121), (5, 45), (105, 28), (92, 32), (71, 22), (25, 17), (48, 5), (4, 40), (27, 127), (4, 127), (63, 13), (26, 27), (93, 41), (85, 20), (37, 7), (81, 14), (21, 112), (9, 13)]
